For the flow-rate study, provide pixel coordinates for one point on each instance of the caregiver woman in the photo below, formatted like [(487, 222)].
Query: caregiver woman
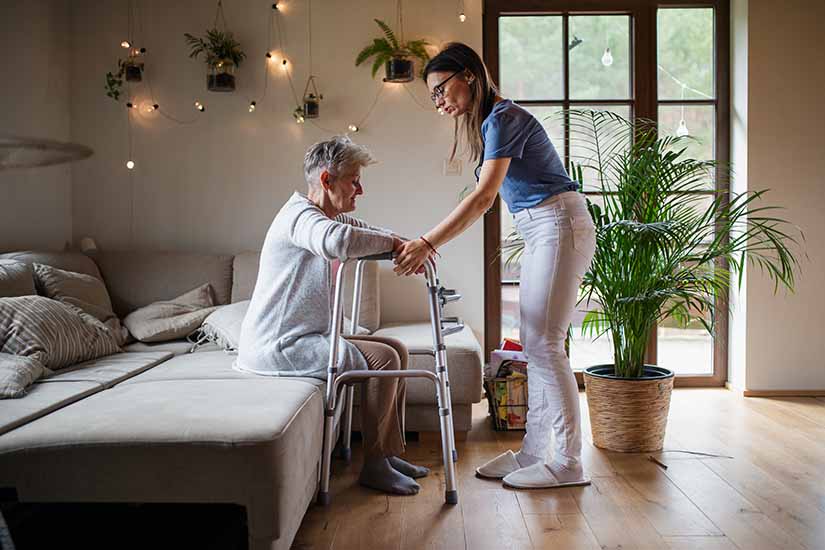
[(517, 160)]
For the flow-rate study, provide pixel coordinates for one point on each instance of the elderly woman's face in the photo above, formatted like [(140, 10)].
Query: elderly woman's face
[(343, 190)]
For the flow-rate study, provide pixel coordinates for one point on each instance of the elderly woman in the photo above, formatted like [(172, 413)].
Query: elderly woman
[(287, 329)]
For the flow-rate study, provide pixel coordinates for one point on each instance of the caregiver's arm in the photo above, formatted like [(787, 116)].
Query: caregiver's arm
[(414, 253)]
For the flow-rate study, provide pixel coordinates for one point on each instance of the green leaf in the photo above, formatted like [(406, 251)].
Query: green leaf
[(388, 34)]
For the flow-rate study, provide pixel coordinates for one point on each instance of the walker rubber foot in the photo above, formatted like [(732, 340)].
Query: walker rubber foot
[(323, 498), (346, 455), (451, 497)]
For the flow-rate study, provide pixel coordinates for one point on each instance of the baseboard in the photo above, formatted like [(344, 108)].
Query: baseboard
[(784, 393)]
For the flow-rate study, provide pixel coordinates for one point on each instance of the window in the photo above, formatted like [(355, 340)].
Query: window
[(637, 58)]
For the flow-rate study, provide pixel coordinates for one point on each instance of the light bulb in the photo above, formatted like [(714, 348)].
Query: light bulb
[(147, 107), (275, 6), (125, 44), (283, 64), (352, 128), (299, 119), (440, 111), (130, 164), (130, 105), (682, 130), (269, 57), (462, 17), (251, 106), (199, 106), (607, 58)]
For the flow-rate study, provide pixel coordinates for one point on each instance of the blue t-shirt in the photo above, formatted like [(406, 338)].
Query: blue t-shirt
[(536, 172)]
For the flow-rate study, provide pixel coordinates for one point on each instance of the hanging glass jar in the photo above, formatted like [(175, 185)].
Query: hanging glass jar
[(132, 68), (312, 99), (399, 69), (221, 77)]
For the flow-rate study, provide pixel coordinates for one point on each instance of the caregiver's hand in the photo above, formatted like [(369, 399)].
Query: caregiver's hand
[(411, 257)]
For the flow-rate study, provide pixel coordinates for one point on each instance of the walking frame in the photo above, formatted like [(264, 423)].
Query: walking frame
[(438, 296)]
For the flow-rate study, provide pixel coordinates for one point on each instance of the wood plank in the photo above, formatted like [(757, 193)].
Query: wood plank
[(549, 502), (783, 393), (561, 531), (659, 499), (613, 519), (493, 520), (807, 407), (700, 543), (742, 522), (428, 523)]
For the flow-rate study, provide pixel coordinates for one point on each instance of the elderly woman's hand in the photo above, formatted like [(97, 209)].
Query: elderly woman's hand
[(411, 257)]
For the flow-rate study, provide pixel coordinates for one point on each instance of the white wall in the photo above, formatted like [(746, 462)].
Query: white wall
[(786, 114), (35, 203), (214, 185)]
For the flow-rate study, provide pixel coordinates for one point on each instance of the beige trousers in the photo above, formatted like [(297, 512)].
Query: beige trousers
[(382, 399)]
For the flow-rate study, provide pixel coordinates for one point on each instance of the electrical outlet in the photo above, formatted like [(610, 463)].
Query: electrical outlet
[(452, 167)]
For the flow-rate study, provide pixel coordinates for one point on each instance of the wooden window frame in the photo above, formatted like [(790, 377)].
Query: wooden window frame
[(644, 103)]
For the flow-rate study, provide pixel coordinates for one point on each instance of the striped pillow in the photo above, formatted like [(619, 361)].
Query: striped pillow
[(54, 333)]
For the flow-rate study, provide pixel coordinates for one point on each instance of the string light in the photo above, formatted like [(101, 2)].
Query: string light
[(352, 128), (130, 105), (283, 64), (441, 111), (130, 164), (200, 106), (269, 57), (462, 17), (125, 45), (149, 107), (251, 106), (607, 58)]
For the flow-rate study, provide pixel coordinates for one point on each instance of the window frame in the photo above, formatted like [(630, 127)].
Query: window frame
[(644, 103)]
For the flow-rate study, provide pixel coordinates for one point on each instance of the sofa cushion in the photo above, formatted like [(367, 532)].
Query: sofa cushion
[(69, 261), (16, 279), (245, 273), (137, 279), (175, 347), (17, 373), (82, 291), (173, 319), (40, 400), (110, 370), (223, 326), (54, 333), (464, 363)]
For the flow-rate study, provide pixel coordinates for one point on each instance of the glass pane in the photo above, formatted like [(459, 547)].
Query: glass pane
[(531, 57), (551, 118), (510, 269), (684, 350), (699, 123), (509, 312), (580, 155), (685, 53), (599, 57)]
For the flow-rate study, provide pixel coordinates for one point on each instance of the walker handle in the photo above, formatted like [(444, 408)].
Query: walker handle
[(374, 257)]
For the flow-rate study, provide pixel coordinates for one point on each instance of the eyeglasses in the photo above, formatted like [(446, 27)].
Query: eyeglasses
[(438, 89)]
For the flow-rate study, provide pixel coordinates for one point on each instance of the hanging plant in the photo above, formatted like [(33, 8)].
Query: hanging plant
[(129, 69), (222, 54), (396, 56), (312, 99)]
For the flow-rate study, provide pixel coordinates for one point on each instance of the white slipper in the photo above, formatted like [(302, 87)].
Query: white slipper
[(499, 467), (539, 476)]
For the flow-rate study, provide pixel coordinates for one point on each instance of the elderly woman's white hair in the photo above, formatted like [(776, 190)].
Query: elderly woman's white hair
[(337, 156)]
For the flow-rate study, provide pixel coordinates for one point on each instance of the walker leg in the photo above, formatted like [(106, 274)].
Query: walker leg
[(346, 445), (447, 449), (326, 452)]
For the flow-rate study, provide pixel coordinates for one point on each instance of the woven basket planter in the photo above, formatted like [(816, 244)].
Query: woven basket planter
[(628, 414)]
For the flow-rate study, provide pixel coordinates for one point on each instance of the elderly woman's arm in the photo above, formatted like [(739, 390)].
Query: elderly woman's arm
[(333, 239)]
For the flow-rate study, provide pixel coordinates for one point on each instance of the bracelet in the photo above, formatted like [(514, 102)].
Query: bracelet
[(430, 245)]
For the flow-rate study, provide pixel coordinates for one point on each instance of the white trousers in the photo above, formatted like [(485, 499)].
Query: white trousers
[(560, 240)]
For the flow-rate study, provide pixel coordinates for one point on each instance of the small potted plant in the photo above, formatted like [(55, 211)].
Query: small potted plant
[(223, 55), (129, 69), (396, 57)]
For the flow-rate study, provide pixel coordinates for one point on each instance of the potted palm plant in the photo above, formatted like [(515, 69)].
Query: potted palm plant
[(396, 56), (665, 250), (223, 55)]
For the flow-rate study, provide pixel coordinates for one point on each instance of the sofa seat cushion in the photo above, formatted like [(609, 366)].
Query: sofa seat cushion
[(68, 261), (464, 363), (16, 279), (40, 400), (180, 412), (110, 370), (175, 347)]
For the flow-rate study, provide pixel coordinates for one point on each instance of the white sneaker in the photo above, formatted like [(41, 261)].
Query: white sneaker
[(540, 476), (499, 467)]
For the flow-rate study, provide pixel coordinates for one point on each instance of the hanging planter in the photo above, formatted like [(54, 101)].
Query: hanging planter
[(129, 70), (223, 54), (396, 56), (312, 99)]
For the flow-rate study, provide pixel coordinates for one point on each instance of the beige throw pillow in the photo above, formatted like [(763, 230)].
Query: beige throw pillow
[(82, 291), (16, 279), (172, 319), (54, 333), (17, 373)]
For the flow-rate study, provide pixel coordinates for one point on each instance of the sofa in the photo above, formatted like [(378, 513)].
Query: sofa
[(160, 423)]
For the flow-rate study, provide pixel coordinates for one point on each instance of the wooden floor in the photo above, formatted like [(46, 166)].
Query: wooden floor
[(769, 495)]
